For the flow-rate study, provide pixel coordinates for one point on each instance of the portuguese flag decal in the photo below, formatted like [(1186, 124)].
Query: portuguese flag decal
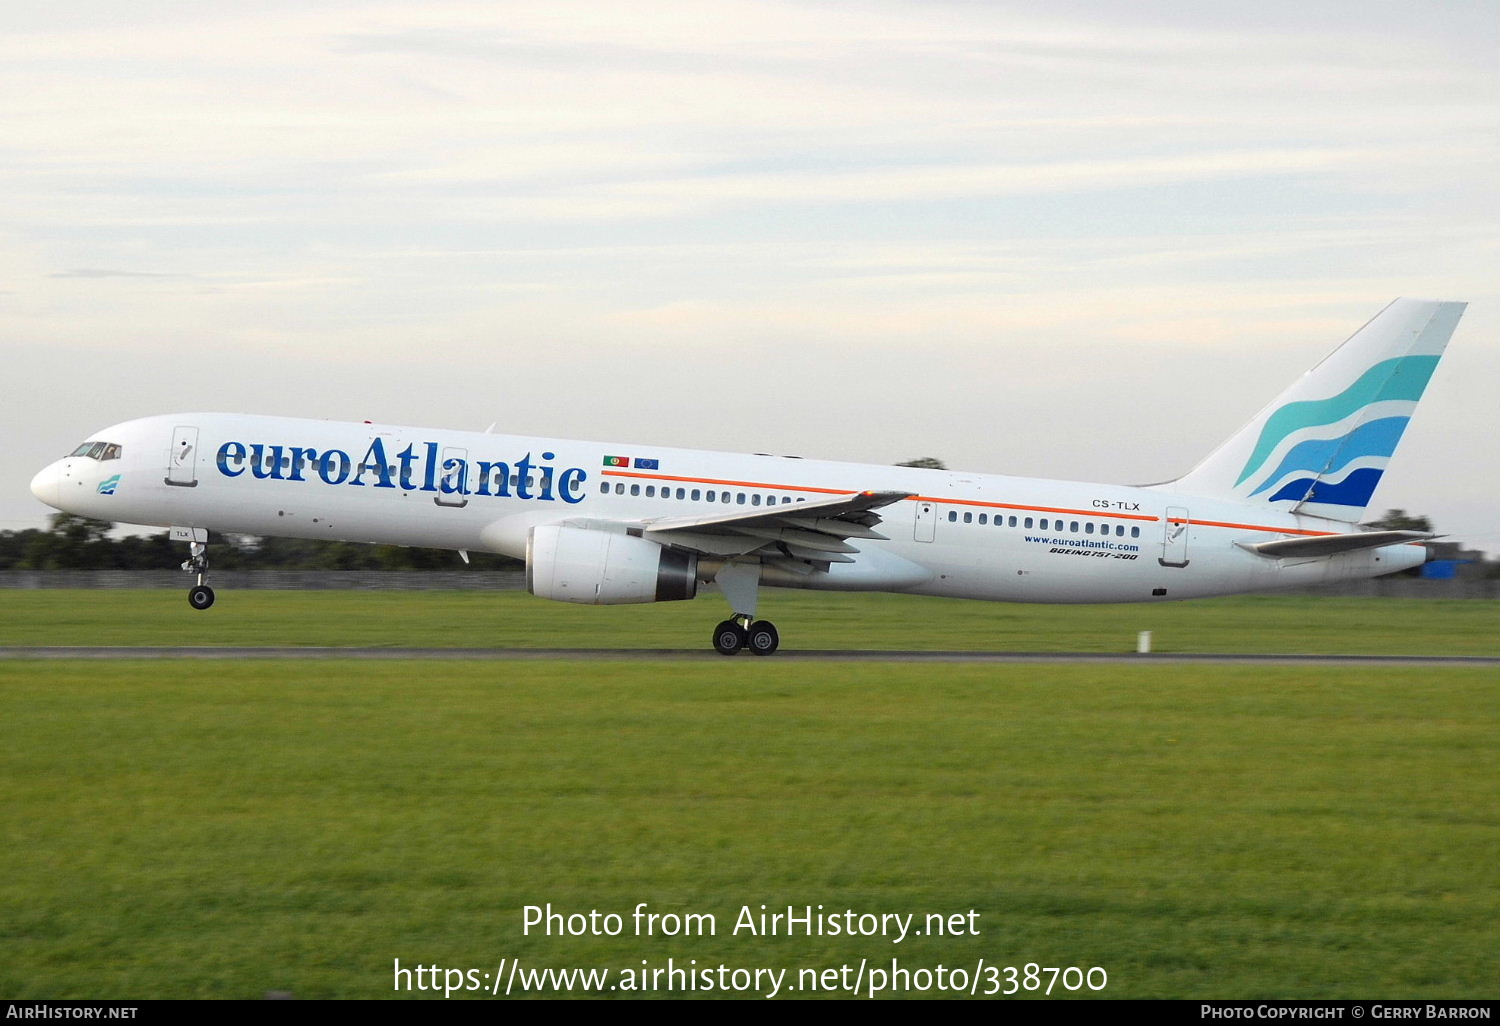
[(617, 461)]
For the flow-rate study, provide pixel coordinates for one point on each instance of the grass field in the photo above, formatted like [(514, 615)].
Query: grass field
[(807, 621), (221, 829)]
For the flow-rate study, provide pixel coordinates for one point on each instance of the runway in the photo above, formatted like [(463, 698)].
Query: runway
[(706, 655)]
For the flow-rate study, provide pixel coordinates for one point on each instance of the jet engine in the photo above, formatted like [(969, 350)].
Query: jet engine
[(605, 568)]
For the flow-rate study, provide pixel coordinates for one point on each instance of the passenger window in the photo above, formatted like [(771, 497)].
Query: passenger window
[(1012, 521), (755, 500), (1135, 532), (952, 516), (635, 489), (1073, 527), (695, 494), (1088, 528), (984, 518), (740, 499), (681, 493), (651, 491), (1028, 524), (619, 489), (604, 488), (968, 518)]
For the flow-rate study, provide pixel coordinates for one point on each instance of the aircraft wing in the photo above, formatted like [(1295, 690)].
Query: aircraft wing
[(1329, 545), (802, 537)]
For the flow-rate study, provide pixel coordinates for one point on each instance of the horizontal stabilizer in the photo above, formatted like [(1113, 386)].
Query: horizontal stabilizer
[(1330, 545)]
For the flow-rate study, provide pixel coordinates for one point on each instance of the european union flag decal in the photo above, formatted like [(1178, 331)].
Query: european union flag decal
[(641, 464)]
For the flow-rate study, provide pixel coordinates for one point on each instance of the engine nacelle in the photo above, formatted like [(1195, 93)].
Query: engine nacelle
[(605, 568)]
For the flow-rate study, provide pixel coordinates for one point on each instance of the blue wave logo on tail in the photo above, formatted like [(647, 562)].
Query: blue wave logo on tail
[(1328, 459), (1354, 490)]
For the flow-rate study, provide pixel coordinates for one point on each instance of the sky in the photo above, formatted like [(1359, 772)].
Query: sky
[(1074, 239)]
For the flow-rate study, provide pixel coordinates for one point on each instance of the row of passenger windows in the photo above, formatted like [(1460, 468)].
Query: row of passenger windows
[(756, 499), (1044, 524), (698, 494)]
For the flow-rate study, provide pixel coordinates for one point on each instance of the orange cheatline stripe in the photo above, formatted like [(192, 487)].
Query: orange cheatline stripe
[(734, 484), (1258, 527), (1093, 513)]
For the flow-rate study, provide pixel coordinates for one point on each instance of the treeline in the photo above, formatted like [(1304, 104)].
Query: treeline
[(78, 543)]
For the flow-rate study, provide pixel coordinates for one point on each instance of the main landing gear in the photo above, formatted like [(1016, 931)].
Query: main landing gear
[(759, 636), (200, 596), (740, 583)]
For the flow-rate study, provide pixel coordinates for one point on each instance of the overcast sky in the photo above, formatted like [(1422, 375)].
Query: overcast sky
[(1064, 239)]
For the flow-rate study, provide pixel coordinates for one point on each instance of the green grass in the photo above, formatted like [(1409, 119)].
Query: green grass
[(225, 829), (807, 621)]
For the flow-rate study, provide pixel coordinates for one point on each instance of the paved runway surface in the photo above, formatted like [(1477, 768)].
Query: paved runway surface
[(706, 655)]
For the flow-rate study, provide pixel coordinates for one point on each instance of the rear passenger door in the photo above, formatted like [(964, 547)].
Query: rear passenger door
[(926, 526)]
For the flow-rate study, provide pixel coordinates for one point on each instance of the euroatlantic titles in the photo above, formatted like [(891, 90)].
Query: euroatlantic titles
[(416, 468)]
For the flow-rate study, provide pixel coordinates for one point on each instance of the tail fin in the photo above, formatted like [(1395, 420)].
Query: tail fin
[(1323, 445)]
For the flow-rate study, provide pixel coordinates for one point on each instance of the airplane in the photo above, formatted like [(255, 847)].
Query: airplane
[(1277, 505)]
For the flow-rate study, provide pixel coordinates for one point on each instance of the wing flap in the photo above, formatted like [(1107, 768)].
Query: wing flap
[(812, 533), (844, 528), (818, 541), (826, 509)]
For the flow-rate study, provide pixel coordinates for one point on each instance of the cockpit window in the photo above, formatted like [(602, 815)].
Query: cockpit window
[(98, 450)]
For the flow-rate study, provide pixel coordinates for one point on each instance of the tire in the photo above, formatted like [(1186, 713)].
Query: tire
[(764, 638), (729, 638), (201, 597)]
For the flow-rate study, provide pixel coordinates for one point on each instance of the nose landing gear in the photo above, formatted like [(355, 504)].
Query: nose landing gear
[(200, 596)]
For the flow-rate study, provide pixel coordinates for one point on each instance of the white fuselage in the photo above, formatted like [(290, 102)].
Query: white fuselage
[(974, 536)]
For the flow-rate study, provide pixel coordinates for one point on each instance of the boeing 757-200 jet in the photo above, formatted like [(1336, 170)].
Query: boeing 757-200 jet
[(1275, 506)]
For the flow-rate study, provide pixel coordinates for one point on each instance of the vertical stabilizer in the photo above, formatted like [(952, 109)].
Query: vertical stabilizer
[(1323, 445)]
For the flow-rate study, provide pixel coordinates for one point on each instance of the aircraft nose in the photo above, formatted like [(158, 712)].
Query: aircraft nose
[(48, 484)]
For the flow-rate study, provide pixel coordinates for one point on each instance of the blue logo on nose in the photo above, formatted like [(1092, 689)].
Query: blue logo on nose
[(108, 486)]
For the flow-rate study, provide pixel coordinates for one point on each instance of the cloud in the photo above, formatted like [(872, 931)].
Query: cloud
[(94, 272), (889, 196)]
